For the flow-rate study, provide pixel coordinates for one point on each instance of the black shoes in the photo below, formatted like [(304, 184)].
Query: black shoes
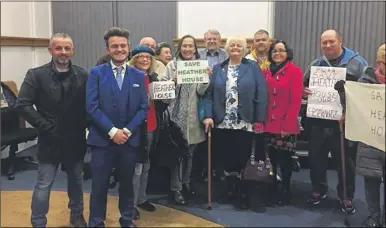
[(243, 202), (189, 189), (315, 198), (78, 221), (178, 198), (136, 214), (216, 176), (284, 197), (147, 206), (347, 206), (227, 197)]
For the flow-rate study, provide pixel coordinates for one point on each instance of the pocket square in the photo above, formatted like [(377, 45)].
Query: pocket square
[(135, 85)]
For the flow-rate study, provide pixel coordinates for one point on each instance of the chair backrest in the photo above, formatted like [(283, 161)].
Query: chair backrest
[(9, 92), (10, 118)]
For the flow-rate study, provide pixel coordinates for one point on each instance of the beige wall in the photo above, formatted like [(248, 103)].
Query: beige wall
[(24, 19), (229, 18)]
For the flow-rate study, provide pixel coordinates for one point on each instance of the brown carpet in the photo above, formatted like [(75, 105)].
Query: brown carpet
[(16, 212)]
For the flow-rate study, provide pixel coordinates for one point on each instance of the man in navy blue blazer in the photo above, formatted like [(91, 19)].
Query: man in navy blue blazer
[(116, 101)]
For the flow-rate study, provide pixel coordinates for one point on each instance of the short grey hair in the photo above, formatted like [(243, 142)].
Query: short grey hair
[(237, 38), (116, 31), (262, 31), (212, 31), (60, 35)]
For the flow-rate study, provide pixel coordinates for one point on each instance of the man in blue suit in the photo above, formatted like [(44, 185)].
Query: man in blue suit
[(117, 104)]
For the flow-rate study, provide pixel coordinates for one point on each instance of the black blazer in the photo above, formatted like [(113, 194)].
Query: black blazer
[(60, 117)]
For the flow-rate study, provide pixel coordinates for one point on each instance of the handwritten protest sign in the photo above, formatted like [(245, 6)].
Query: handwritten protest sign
[(195, 71), (162, 90), (365, 114), (324, 102)]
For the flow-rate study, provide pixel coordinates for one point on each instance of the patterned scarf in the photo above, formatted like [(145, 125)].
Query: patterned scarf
[(263, 64), (179, 107), (380, 77)]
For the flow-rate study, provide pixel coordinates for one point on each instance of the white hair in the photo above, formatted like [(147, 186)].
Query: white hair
[(60, 35), (212, 31), (242, 40)]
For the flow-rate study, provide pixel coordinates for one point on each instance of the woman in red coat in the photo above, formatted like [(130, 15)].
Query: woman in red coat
[(284, 84)]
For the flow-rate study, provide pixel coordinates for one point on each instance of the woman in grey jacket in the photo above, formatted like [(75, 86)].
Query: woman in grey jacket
[(184, 114), (371, 161)]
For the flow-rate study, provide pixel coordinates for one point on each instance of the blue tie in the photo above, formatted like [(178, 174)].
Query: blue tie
[(119, 77)]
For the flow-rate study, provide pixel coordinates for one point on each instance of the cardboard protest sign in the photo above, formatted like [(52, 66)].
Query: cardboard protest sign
[(162, 90), (195, 71), (324, 102), (365, 113)]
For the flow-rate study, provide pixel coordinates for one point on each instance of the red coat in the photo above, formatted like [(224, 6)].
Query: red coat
[(151, 113), (284, 99)]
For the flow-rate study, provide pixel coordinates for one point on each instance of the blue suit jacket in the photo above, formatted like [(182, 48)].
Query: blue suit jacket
[(252, 93), (110, 107)]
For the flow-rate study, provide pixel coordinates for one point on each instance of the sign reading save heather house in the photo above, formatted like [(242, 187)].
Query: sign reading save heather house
[(365, 114), (324, 102), (195, 71)]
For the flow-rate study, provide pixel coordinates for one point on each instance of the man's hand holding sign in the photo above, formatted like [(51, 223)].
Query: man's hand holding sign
[(323, 100)]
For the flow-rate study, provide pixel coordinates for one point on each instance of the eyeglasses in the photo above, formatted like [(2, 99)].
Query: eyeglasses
[(279, 51), (142, 57)]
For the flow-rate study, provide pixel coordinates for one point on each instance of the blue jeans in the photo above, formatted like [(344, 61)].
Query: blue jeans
[(41, 194)]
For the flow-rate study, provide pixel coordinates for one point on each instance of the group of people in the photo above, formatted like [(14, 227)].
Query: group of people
[(253, 96)]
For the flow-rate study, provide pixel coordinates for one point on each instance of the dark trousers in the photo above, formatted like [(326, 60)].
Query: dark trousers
[(233, 148), (373, 197), (123, 157), (201, 155), (282, 159), (322, 140), (279, 158)]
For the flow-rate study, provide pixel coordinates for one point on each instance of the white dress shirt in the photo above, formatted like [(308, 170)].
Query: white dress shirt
[(114, 130)]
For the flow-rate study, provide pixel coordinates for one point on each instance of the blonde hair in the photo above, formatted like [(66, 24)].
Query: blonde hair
[(153, 63), (381, 52), (237, 38)]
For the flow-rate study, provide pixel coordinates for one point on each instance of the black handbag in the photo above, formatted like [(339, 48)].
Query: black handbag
[(171, 146), (260, 171)]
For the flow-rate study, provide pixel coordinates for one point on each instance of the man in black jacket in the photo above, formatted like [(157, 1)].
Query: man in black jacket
[(57, 89), (325, 134)]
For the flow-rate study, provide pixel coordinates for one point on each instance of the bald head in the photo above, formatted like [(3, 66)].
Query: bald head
[(331, 33), (148, 41), (331, 44)]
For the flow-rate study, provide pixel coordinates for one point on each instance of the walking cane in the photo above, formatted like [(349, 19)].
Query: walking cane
[(209, 168), (343, 158)]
